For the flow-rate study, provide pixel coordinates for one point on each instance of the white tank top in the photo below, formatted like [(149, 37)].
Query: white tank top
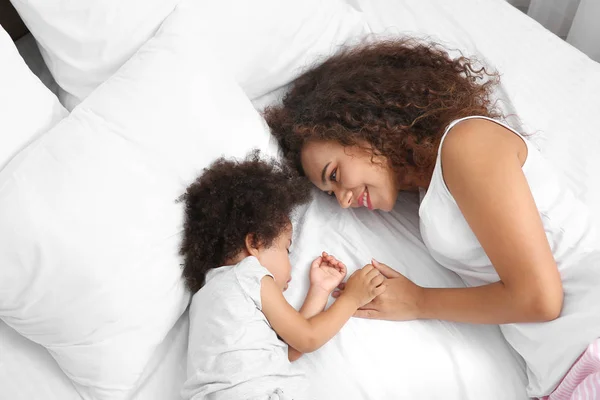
[(549, 349)]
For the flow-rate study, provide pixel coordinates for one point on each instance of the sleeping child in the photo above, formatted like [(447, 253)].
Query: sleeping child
[(243, 332)]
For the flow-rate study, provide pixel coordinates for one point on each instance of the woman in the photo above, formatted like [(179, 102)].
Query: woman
[(402, 115)]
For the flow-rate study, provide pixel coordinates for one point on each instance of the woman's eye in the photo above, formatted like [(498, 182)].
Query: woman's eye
[(333, 175), (332, 178)]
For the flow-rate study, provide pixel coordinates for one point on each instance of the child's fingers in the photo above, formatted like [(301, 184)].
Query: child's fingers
[(336, 293), (366, 269), (372, 274), (333, 260), (317, 262), (337, 265), (325, 256), (379, 289), (342, 286), (378, 280)]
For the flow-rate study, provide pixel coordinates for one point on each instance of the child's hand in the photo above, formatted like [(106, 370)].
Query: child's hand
[(326, 272), (364, 285)]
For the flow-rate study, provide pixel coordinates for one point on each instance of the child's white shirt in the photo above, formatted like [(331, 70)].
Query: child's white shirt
[(233, 351)]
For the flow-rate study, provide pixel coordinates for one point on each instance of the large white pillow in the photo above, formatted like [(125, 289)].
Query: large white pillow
[(90, 227), (264, 42), (27, 107), (84, 42), (267, 43)]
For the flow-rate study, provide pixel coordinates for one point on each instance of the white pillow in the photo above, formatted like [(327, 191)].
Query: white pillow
[(24, 362), (27, 107), (84, 42), (265, 42), (90, 227)]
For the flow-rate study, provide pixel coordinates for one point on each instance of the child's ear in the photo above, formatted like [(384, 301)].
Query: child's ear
[(252, 245)]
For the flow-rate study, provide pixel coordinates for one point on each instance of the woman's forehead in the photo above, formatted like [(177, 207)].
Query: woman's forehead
[(321, 146), (316, 153), (326, 151), (314, 157)]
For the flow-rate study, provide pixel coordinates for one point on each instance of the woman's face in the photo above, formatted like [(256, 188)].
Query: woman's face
[(352, 174)]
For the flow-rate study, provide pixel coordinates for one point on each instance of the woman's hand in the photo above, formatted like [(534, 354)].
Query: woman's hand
[(326, 272), (399, 302)]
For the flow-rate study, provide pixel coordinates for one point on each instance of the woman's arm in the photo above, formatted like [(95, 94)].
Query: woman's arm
[(481, 164), (490, 304), (404, 301)]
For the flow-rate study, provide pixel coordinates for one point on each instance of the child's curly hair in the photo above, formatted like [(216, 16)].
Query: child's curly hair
[(230, 200)]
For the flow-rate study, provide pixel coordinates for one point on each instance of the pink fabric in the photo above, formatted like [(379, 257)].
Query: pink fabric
[(582, 382)]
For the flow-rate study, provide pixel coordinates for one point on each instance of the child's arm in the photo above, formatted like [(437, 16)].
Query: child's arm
[(315, 302), (326, 273), (307, 335)]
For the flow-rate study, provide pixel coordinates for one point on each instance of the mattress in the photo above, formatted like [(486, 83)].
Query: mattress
[(556, 92)]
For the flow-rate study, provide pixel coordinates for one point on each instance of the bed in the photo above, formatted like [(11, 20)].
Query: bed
[(555, 90)]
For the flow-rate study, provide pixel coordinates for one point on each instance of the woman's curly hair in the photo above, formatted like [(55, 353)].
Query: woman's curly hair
[(398, 96), (230, 200)]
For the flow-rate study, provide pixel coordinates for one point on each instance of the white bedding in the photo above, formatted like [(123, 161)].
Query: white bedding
[(27, 371), (555, 90), (390, 360)]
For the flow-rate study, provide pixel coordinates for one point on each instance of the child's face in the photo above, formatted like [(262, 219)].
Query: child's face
[(276, 258)]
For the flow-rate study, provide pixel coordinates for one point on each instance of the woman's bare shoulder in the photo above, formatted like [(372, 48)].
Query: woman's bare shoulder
[(477, 140), (474, 149)]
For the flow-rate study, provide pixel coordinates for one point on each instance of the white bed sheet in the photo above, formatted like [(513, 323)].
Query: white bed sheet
[(396, 360), (420, 359)]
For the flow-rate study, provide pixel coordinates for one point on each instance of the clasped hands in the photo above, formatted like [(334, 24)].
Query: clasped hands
[(399, 300)]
